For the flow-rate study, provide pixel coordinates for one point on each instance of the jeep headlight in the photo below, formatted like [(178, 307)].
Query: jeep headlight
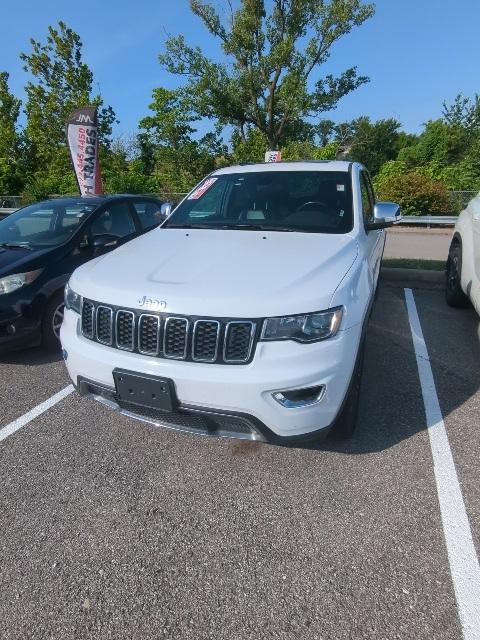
[(310, 327), (73, 300), (17, 281)]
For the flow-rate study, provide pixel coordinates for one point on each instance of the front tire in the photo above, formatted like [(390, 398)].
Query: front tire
[(454, 294), (52, 321)]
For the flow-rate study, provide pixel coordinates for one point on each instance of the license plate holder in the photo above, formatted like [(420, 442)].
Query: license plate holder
[(151, 392)]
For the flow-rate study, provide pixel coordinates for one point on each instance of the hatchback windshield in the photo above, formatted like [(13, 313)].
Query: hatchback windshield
[(43, 224), (306, 201)]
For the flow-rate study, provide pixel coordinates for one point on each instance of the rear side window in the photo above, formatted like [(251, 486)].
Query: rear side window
[(116, 220), (148, 213)]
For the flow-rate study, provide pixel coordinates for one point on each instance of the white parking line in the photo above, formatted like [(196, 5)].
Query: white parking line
[(34, 413), (462, 556)]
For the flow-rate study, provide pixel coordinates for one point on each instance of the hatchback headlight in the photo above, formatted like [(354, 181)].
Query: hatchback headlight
[(310, 327), (73, 300), (17, 281)]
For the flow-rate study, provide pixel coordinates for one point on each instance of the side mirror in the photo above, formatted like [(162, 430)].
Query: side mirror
[(385, 214), (103, 241), (166, 209)]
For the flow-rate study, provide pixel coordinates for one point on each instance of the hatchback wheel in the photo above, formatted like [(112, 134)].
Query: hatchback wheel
[(52, 322)]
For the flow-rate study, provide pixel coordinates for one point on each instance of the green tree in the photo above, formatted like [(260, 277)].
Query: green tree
[(371, 143), (9, 112), (248, 146), (167, 142), (122, 168), (417, 194), (271, 80), (61, 82), (464, 112), (10, 144), (439, 144)]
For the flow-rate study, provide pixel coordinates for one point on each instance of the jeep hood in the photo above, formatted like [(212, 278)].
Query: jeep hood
[(223, 273)]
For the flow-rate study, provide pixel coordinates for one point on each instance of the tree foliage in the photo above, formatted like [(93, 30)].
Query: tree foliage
[(371, 143), (274, 52), (60, 82), (178, 159), (10, 143), (416, 193), (9, 112)]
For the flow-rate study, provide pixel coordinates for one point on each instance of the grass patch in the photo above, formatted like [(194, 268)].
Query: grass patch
[(414, 263)]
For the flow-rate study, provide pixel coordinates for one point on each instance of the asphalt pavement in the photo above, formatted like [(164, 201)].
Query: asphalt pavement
[(115, 529)]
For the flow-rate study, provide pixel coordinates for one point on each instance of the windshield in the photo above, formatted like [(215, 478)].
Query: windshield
[(306, 201), (45, 224)]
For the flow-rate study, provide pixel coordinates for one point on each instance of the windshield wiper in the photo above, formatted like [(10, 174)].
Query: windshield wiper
[(254, 227), (189, 226), (16, 245), (242, 227)]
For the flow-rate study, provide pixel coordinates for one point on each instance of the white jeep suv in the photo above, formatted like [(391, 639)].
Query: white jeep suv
[(244, 314), (463, 263)]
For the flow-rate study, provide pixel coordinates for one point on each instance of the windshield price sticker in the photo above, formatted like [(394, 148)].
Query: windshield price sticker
[(198, 193)]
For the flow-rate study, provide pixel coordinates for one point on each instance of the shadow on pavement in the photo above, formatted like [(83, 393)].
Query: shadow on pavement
[(32, 356), (391, 405)]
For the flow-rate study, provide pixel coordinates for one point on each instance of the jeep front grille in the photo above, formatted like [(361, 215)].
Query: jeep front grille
[(149, 334), (104, 326), (88, 314), (212, 340)]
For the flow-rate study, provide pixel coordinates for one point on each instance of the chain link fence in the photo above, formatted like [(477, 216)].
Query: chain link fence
[(10, 202), (460, 199)]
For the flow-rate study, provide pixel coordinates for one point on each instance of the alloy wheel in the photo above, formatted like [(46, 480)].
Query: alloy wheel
[(57, 320)]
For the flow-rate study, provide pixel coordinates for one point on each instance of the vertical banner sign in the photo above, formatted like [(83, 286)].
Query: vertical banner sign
[(82, 141), (273, 156)]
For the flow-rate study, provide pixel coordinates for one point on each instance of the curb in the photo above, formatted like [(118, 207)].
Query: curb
[(412, 275)]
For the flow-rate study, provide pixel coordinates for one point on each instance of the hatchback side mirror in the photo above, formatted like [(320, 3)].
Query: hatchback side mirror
[(104, 240), (385, 214)]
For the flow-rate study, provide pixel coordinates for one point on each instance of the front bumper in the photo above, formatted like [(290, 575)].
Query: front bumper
[(242, 393), (20, 325)]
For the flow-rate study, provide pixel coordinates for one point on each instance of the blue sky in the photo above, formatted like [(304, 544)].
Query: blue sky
[(417, 53)]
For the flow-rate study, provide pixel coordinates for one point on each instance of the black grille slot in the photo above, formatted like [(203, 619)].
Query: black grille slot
[(175, 338), (125, 326), (148, 334), (197, 339), (104, 325), (88, 311), (238, 341), (205, 340)]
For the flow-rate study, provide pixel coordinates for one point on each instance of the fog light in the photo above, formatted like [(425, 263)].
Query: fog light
[(297, 398), (11, 329)]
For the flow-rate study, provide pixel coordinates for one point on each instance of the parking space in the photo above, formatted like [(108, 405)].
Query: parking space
[(27, 379), (115, 529)]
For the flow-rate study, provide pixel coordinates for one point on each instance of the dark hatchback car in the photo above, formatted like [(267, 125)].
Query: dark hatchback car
[(42, 244)]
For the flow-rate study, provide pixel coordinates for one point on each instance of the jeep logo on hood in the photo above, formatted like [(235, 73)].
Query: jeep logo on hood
[(150, 303)]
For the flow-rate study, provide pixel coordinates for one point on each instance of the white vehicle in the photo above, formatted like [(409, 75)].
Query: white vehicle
[(244, 315), (463, 263)]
